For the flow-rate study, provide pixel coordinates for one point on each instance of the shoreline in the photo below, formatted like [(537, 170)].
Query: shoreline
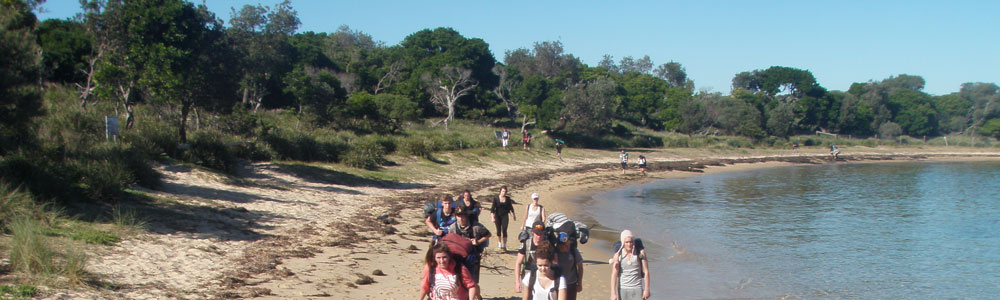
[(273, 234)]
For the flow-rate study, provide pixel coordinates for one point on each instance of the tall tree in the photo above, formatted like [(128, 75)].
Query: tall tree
[(589, 107), (170, 43), (260, 36), (447, 87), (20, 67)]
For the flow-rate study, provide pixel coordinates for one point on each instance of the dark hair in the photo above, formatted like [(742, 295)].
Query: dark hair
[(545, 250), (434, 250), (446, 197), (504, 187)]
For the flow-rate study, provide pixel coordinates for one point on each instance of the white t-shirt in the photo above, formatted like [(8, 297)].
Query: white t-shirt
[(539, 292)]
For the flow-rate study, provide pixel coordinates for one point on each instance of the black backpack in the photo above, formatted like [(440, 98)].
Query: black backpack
[(555, 283)]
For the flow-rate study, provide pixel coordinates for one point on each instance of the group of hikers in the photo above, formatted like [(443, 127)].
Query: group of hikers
[(526, 141), (641, 162), (548, 264)]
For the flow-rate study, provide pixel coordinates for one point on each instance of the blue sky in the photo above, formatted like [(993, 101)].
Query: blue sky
[(840, 42)]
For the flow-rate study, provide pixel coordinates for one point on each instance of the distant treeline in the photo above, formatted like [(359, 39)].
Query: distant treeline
[(172, 51)]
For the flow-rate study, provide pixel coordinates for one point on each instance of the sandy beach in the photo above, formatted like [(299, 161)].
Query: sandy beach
[(303, 231)]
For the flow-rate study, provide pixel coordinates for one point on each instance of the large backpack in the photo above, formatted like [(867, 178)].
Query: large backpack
[(555, 283), (461, 250), (559, 222)]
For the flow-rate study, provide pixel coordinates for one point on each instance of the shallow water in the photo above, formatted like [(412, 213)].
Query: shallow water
[(905, 230)]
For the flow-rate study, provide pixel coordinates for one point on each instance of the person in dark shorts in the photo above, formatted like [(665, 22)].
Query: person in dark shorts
[(501, 207), (642, 165), (559, 145)]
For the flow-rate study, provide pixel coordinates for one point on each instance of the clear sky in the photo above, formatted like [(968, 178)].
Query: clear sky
[(841, 42)]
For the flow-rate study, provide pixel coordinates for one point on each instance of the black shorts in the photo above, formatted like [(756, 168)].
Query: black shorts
[(624, 164), (642, 166)]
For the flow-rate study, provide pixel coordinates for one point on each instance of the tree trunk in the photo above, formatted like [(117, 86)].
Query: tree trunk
[(182, 127)]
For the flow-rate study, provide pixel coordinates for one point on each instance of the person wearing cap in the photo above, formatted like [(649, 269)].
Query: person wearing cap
[(526, 253), (534, 212), (475, 232), (571, 262), (629, 271)]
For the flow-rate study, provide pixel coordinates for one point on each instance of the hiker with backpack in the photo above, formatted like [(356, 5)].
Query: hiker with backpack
[(502, 206), (534, 212), (629, 270), (465, 200), (476, 233), (439, 215), (545, 282), (444, 278), (525, 261), (566, 233)]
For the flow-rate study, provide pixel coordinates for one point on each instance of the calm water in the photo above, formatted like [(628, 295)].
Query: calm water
[(913, 230)]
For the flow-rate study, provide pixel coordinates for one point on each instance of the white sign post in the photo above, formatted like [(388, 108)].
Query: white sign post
[(111, 128)]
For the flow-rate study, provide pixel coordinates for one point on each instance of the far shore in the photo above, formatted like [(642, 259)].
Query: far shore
[(274, 234)]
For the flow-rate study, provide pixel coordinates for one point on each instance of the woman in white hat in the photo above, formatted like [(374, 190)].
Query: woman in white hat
[(629, 271), (533, 212)]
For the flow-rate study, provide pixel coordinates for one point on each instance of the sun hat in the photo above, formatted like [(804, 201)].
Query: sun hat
[(534, 195)]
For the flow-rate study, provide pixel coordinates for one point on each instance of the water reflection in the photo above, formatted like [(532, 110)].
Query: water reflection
[(894, 230)]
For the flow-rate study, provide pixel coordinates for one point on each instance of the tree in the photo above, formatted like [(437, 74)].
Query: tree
[(260, 37), (426, 52), (169, 44), (589, 107), (504, 89), (675, 75), (546, 59), (447, 87), (314, 91), (65, 47), (20, 64)]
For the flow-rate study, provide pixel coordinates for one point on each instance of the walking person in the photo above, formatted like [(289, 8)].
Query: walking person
[(559, 145), (477, 234), (474, 207), (534, 212), (642, 165), (443, 216), (505, 138), (629, 271), (545, 282), (624, 157), (525, 140), (525, 261), (502, 206), (570, 262), (444, 278)]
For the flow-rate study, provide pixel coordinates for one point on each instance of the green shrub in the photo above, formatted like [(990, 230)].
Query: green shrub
[(415, 146), (153, 138), (101, 179), (44, 178), (296, 145), (210, 149), (366, 154)]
